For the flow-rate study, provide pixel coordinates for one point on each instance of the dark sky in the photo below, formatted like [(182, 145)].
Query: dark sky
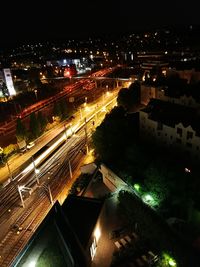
[(39, 20)]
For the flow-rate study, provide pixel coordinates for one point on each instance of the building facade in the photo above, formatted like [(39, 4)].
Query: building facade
[(158, 124)]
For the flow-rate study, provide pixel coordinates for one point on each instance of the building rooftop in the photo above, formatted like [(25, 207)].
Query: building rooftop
[(82, 213), (171, 114)]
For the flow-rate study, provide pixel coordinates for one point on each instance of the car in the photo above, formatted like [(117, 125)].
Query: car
[(22, 150), (31, 144)]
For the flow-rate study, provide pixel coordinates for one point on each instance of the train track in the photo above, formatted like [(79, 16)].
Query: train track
[(17, 237)]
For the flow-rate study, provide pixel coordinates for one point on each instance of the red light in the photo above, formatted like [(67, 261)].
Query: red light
[(67, 73)]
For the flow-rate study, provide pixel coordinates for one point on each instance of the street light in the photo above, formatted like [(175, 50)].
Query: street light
[(86, 136), (81, 115), (35, 91), (70, 169), (9, 171), (48, 191), (36, 171), (23, 188)]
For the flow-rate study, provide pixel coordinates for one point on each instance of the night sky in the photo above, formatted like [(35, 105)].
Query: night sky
[(35, 20)]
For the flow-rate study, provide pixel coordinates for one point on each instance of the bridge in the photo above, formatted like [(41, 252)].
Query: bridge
[(100, 79), (94, 78)]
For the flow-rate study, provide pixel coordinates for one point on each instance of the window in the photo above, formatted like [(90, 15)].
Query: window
[(179, 132), (189, 135)]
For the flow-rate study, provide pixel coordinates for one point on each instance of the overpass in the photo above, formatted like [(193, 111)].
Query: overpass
[(94, 78), (117, 81)]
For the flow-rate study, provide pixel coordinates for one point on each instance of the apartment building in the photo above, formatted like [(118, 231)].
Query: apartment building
[(148, 92), (172, 125)]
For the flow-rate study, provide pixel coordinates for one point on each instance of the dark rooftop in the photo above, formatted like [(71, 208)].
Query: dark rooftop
[(82, 213)]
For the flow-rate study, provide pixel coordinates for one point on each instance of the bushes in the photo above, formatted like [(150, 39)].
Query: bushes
[(152, 228), (81, 182), (10, 150)]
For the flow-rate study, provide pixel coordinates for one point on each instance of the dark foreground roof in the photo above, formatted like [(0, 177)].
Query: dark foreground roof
[(55, 231), (82, 213)]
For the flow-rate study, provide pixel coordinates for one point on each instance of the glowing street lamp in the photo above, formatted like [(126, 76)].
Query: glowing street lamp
[(168, 260), (36, 96), (36, 171), (187, 170)]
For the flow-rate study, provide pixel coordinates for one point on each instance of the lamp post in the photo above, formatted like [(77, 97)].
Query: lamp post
[(20, 194), (48, 191), (70, 169), (65, 130), (86, 136), (9, 171), (23, 188), (81, 114), (36, 96), (36, 171)]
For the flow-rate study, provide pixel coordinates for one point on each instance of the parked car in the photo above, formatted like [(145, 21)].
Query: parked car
[(22, 150), (31, 144)]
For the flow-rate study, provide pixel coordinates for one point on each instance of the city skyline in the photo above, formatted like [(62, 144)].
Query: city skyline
[(39, 22)]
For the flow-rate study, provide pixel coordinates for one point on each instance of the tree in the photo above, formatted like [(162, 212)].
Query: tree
[(63, 108), (110, 138), (21, 132), (128, 97), (57, 110), (156, 183), (42, 120), (34, 126), (123, 98)]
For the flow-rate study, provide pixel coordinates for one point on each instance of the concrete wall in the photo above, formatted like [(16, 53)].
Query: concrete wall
[(110, 179)]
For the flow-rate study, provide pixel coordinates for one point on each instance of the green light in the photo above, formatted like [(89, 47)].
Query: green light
[(169, 260), (172, 262), (137, 187), (148, 198)]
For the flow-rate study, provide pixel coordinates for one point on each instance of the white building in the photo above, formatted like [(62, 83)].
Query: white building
[(149, 92), (172, 125), (6, 77)]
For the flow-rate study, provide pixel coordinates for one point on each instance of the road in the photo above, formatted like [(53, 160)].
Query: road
[(56, 173)]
